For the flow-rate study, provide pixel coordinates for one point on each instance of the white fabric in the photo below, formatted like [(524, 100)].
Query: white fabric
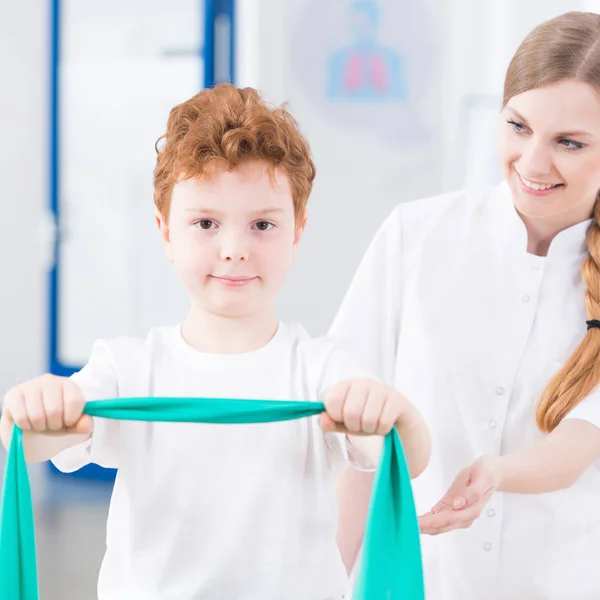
[(449, 308), (218, 511)]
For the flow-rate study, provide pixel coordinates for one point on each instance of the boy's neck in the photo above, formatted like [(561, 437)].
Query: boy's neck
[(217, 334)]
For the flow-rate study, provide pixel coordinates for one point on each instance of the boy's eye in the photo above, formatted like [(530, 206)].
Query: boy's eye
[(204, 224), (263, 225)]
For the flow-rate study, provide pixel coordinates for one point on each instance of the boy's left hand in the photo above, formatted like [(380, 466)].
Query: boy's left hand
[(364, 407)]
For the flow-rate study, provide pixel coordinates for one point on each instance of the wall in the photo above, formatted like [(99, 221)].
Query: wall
[(24, 31)]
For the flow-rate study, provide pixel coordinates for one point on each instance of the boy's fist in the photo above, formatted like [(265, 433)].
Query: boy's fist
[(363, 406), (47, 404)]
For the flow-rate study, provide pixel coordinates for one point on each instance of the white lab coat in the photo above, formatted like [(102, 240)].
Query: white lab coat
[(450, 308)]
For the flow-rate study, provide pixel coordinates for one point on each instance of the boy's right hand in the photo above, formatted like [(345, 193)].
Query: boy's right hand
[(46, 404)]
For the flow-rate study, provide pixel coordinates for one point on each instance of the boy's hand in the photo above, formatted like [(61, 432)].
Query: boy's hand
[(364, 406), (465, 499), (46, 404)]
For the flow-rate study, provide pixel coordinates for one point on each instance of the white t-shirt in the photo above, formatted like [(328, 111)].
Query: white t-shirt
[(222, 512), (450, 308)]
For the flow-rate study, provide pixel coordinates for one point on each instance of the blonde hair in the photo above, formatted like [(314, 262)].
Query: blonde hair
[(567, 47)]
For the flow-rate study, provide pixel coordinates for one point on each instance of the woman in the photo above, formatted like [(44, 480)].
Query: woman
[(484, 309)]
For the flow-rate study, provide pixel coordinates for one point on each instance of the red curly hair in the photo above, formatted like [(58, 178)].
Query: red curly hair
[(225, 126)]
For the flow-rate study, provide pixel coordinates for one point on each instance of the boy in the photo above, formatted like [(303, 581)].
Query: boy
[(220, 511)]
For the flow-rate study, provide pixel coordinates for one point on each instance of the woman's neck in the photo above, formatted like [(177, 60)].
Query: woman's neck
[(541, 232)]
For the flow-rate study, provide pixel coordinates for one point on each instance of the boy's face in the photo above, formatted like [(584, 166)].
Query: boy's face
[(232, 238)]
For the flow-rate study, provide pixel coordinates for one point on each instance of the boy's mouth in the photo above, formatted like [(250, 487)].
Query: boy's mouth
[(231, 281)]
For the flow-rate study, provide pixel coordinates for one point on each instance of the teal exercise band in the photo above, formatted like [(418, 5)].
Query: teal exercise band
[(391, 566)]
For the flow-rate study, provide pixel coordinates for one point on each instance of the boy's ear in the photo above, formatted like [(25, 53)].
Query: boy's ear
[(163, 228), (298, 234)]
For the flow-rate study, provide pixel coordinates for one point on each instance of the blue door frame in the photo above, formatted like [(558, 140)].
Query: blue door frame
[(218, 54)]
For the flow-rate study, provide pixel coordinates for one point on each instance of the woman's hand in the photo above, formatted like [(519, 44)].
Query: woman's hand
[(465, 499)]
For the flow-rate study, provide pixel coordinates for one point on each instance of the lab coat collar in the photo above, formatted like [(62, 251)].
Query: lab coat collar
[(568, 245)]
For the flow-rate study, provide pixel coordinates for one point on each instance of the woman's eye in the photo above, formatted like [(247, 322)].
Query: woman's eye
[(571, 144), (518, 127)]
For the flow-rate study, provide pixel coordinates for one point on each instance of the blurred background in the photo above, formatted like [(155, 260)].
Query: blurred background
[(399, 100)]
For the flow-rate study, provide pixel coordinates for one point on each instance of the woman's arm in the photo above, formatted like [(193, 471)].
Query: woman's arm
[(368, 322), (552, 464)]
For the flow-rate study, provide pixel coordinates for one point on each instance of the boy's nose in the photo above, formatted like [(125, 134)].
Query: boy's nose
[(234, 249)]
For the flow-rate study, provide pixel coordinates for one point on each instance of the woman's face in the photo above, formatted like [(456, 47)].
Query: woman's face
[(550, 152)]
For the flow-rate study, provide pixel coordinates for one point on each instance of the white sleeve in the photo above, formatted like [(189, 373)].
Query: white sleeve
[(369, 317), (97, 381), (340, 365), (587, 410)]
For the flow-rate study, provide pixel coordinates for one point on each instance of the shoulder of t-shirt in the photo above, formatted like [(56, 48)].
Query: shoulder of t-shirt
[(322, 352), (127, 351), (307, 343)]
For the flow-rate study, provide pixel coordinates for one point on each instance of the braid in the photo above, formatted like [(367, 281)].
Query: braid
[(591, 268), (581, 373)]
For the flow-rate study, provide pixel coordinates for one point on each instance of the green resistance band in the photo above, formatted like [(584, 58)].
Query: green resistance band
[(391, 567)]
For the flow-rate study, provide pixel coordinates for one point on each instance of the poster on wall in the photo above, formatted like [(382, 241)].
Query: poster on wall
[(370, 64)]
